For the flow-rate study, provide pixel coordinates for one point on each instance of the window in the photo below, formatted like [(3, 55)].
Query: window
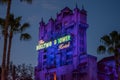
[(69, 28), (69, 56), (69, 62), (45, 50), (58, 27), (44, 56), (44, 64)]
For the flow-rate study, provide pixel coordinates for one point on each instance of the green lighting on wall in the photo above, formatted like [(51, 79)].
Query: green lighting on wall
[(55, 42)]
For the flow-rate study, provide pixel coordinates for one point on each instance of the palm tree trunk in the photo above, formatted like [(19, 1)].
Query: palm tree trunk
[(13, 72), (5, 41), (8, 53)]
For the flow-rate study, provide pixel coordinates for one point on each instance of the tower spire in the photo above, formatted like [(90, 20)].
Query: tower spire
[(42, 22), (76, 5), (42, 19), (83, 10), (51, 18), (82, 6)]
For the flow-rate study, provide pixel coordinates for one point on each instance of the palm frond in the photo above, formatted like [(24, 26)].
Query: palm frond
[(106, 40), (15, 30), (3, 32), (110, 43), (101, 49), (18, 19), (3, 1), (2, 23), (15, 23), (110, 50), (25, 36), (114, 37), (24, 27), (11, 19)]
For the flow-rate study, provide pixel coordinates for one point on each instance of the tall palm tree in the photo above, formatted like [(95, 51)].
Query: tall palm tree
[(5, 37), (111, 44), (6, 33), (14, 27)]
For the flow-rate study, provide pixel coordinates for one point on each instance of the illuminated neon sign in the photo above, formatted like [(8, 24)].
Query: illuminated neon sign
[(62, 46), (43, 44)]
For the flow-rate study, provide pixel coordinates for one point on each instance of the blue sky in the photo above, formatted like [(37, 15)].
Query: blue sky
[(103, 17)]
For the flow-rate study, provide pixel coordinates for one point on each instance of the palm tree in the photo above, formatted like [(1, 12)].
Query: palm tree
[(15, 27), (111, 44), (6, 33), (5, 37)]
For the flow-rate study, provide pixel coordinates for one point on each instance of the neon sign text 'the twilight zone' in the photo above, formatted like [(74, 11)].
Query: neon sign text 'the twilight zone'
[(61, 40)]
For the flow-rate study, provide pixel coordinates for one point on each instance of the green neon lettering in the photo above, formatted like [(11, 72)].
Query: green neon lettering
[(68, 37), (55, 42), (63, 39), (48, 44)]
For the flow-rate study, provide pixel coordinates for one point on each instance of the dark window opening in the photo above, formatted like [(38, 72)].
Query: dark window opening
[(44, 57)]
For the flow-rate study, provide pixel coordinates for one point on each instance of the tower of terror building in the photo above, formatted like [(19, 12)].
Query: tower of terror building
[(62, 48)]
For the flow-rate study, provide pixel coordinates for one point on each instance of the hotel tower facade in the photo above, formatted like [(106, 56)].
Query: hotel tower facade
[(62, 48)]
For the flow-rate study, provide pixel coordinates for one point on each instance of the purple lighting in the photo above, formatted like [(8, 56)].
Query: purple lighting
[(62, 50), (67, 59)]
